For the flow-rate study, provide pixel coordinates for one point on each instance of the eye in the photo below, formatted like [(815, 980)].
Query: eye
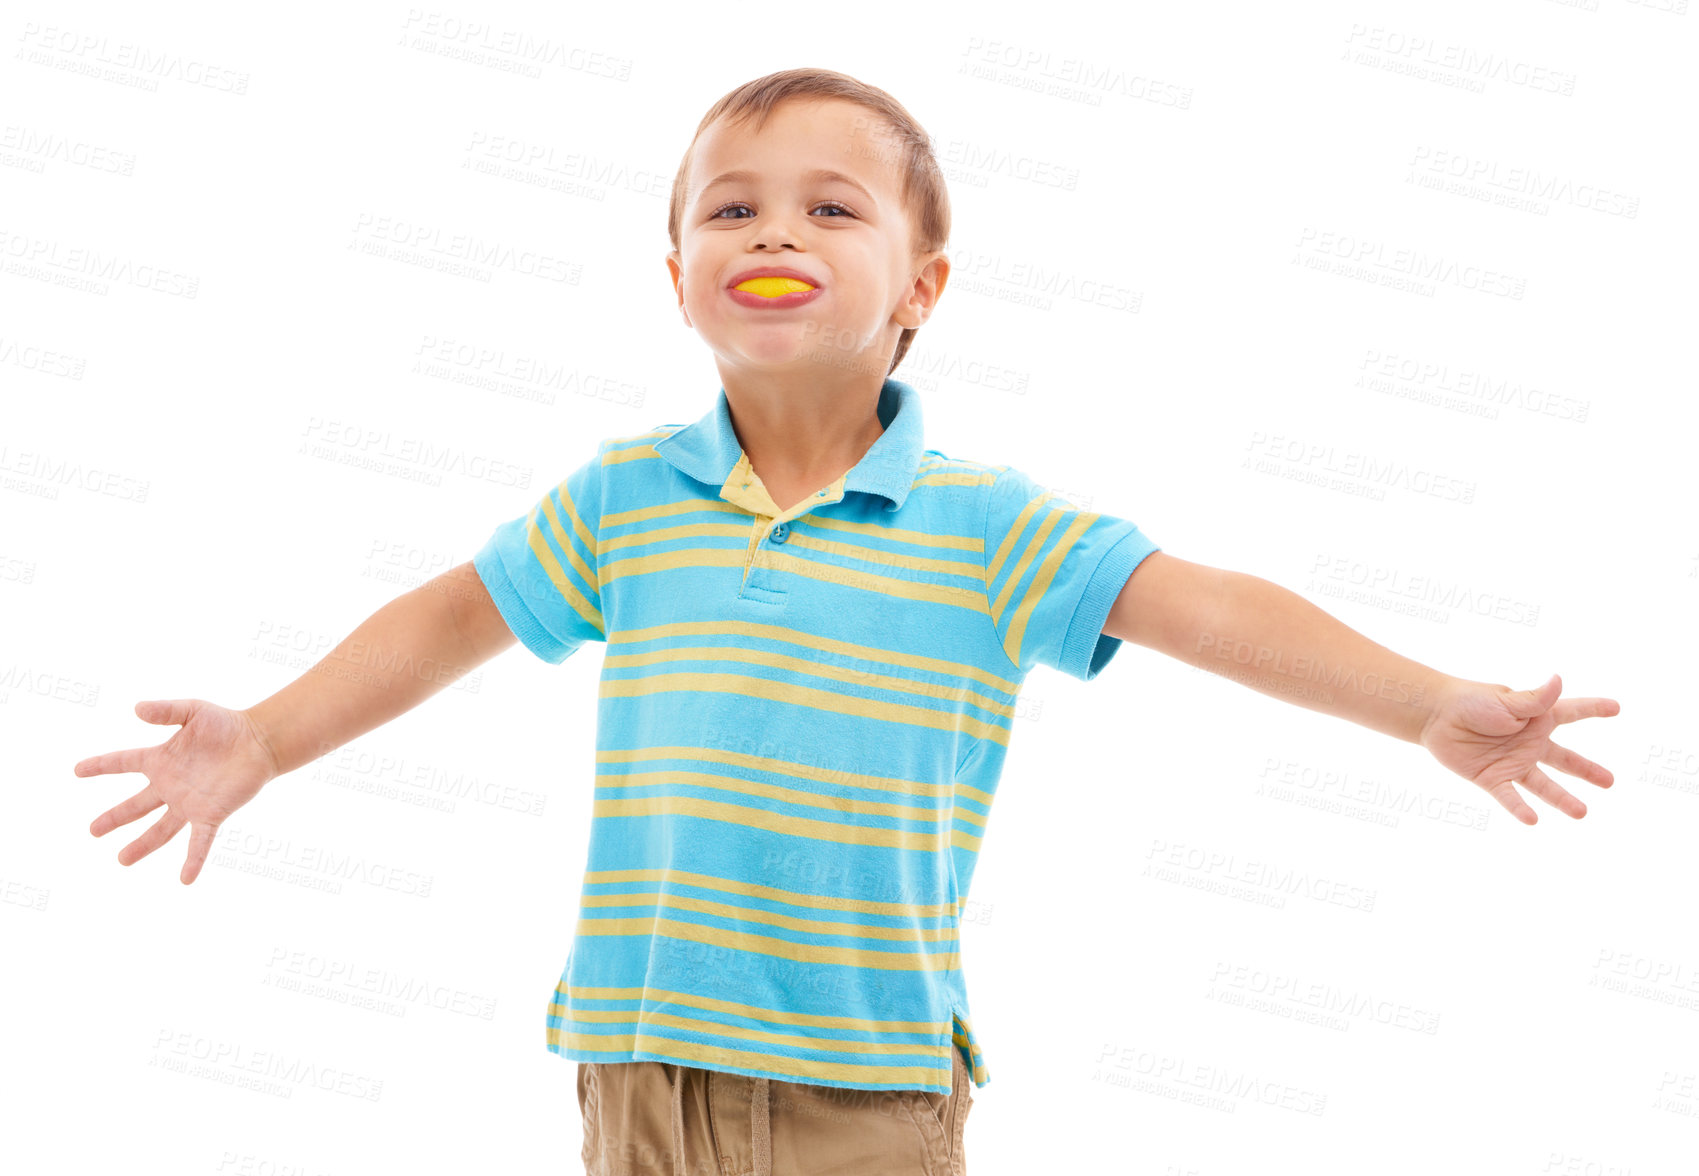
[(832, 204)]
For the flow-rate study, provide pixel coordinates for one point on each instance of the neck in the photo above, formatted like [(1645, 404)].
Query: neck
[(804, 434)]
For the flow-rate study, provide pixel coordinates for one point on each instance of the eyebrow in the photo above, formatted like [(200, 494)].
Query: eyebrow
[(819, 175)]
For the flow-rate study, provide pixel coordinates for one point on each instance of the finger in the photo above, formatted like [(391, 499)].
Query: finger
[(139, 805), (1569, 709), (1580, 766), (200, 845), (1505, 793), (169, 710), (162, 830), (1525, 704), (128, 760), (1548, 790)]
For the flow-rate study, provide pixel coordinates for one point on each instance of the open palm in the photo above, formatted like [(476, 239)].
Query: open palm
[(1497, 737), (214, 764)]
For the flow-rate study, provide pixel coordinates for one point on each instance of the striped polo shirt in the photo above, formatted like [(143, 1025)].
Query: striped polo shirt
[(802, 718)]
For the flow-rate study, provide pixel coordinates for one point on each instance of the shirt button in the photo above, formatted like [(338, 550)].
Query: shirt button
[(779, 533)]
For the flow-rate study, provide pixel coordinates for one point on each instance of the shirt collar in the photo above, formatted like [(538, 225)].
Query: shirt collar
[(708, 450)]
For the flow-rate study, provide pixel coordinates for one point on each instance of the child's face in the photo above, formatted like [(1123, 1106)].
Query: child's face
[(852, 242)]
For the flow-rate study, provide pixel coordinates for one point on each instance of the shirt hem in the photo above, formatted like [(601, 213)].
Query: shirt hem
[(642, 1055)]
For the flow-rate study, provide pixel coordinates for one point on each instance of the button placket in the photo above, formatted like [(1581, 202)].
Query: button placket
[(755, 532), (745, 489)]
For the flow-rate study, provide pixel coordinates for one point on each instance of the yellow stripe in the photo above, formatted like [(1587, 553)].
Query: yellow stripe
[(972, 599), (738, 784), (754, 1012), (634, 453), (546, 556), (808, 696), (739, 1032), (897, 534), (966, 1038), (620, 518), (964, 463), (951, 480), (968, 815), (779, 633), (1010, 646), (783, 767), (1042, 578), (669, 901), (960, 695), (729, 530), (914, 563), (752, 817), (807, 953), (835, 902), (967, 841), (1009, 539)]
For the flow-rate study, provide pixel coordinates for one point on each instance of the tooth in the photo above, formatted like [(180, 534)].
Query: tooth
[(773, 287)]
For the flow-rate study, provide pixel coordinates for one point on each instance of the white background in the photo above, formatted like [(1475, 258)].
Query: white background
[(1488, 473)]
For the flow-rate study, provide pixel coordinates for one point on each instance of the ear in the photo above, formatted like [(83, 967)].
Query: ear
[(924, 291), (675, 268)]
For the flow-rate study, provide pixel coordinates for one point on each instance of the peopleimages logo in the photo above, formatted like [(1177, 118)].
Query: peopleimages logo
[(87, 269), (1426, 58), (381, 232), (98, 55)]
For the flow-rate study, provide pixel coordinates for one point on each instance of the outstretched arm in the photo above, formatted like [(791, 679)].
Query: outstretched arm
[(219, 758), (1276, 642)]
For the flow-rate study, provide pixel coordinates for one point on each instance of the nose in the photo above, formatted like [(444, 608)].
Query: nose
[(775, 235)]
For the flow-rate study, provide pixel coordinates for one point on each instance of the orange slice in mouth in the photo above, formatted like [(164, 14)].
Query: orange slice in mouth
[(772, 287)]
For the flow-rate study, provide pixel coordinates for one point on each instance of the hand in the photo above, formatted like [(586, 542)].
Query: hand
[(210, 768), (1494, 735)]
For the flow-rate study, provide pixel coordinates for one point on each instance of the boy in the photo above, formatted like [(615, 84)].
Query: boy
[(816, 631)]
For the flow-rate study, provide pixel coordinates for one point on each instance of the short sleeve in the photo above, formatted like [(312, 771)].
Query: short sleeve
[(1052, 574), (541, 568)]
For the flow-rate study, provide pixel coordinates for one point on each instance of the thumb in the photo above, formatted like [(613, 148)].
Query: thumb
[(1525, 704), (174, 710)]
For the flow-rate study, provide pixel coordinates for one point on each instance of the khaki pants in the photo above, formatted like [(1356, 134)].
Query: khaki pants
[(658, 1119)]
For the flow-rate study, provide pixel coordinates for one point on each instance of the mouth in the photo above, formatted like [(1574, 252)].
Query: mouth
[(773, 287)]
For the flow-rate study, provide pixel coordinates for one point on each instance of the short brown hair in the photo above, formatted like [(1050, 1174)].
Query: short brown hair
[(923, 194)]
